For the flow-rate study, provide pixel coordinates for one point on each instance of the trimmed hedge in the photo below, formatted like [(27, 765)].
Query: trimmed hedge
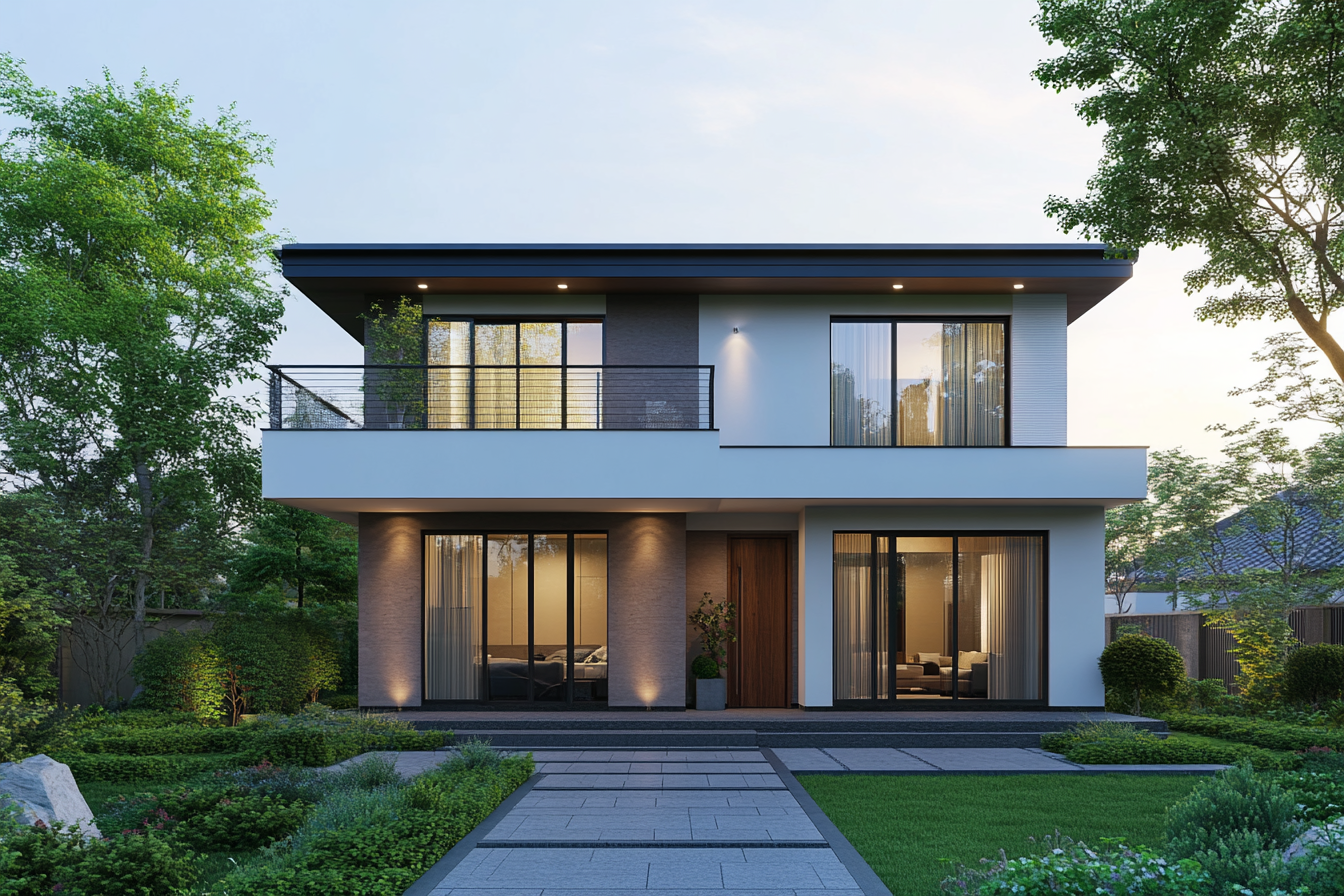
[(175, 739), (385, 859), (1314, 673), (1270, 735), (1146, 751), (112, 767), (323, 746)]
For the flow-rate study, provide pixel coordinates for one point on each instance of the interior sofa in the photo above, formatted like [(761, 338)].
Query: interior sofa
[(933, 672)]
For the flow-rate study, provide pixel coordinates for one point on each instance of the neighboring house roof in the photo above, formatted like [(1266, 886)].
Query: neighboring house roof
[(1318, 547), (340, 278)]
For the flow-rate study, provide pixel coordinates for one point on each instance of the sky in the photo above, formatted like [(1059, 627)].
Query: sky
[(735, 121)]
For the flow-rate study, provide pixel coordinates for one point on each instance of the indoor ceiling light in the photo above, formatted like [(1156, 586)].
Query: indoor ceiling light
[(423, 285), (1017, 286), (562, 286), (898, 286)]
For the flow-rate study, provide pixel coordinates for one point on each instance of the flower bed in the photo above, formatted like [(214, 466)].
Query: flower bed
[(1117, 743)]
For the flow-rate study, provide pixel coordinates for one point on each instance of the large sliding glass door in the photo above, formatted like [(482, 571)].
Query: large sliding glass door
[(518, 616), (939, 617)]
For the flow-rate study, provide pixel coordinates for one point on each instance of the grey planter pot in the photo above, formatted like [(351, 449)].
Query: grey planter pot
[(711, 693)]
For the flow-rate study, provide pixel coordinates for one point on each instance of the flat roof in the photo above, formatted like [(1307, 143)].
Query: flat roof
[(341, 278)]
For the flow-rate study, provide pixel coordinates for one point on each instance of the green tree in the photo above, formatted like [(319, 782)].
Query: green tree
[(1225, 131), (302, 554), (395, 340), (28, 632), (1131, 530), (134, 301)]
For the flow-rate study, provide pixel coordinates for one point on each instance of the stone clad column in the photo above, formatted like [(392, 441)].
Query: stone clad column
[(389, 610), (646, 610)]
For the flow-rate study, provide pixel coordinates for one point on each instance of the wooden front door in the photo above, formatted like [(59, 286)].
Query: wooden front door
[(758, 583)]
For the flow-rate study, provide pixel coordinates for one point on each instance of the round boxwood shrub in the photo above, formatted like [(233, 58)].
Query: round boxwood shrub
[(1142, 667), (704, 667), (1314, 674)]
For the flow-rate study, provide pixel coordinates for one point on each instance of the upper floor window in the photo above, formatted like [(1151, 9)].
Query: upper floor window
[(514, 374), (918, 382)]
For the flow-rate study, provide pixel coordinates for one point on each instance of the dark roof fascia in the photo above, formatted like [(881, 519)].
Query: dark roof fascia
[(337, 276)]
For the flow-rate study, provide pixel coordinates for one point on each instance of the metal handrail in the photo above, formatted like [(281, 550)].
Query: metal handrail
[(492, 396)]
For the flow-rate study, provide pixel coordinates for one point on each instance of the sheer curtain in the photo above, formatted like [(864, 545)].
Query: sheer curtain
[(1012, 597), (453, 617), (949, 383), (853, 616), (450, 390), (860, 384)]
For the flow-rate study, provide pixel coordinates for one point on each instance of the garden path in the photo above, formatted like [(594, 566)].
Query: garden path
[(599, 822)]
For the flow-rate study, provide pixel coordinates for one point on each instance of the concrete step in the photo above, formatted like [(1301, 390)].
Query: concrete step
[(607, 738), (744, 739), (1033, 723)]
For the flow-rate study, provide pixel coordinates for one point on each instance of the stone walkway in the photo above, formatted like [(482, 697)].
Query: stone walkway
[(603, 822)]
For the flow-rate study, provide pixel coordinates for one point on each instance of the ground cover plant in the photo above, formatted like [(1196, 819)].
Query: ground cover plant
[(1118, 743), (359, 828), (377, 841), (914, 830)]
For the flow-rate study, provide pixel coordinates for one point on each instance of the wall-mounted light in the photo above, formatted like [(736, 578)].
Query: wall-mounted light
[(1017, 286), (898, 286), (734, 329), (422, 286), (562, 286)]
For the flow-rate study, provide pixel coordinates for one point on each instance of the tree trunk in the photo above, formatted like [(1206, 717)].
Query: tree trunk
[(1318, 334), (144, 480), (298, 574)]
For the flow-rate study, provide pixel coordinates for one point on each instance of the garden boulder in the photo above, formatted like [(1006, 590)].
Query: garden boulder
[(45, 791), (1326, 835)]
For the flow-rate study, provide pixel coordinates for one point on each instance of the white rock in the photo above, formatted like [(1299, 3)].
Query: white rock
[(44, 790), (1331, 834)]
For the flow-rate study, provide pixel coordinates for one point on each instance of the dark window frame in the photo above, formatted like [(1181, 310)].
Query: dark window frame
[(892, 321), (892, 700), (531, 532)]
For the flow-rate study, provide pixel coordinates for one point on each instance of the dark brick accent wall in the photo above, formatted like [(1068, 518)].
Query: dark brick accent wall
[(653, 329)]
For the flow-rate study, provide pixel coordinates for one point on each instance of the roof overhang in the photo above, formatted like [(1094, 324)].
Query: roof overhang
[(341, 278)]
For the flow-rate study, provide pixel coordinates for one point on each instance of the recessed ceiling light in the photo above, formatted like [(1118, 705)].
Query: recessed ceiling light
[(562, 286), (898, 286), (1017, 286), (422, 285)]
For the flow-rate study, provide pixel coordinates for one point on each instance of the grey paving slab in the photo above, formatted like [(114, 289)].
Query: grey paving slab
[(658, 781), (989, 759), (806, 759), (607, 871), (874, 759)]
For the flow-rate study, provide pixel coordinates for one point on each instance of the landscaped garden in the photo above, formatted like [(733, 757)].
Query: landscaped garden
[(1261, 828), (190, 806)]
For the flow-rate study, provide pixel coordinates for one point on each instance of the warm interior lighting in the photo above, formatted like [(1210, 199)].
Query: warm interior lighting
[(422, 286), (898, 286), (562, 286), (1017, 286)]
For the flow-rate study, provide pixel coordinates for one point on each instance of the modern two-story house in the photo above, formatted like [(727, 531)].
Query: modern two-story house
[(860, 446)]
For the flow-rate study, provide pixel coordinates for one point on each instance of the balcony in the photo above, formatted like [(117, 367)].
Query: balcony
[(491, 397)]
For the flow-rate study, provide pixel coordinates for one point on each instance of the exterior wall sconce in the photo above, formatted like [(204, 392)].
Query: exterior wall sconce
[(734, 329)]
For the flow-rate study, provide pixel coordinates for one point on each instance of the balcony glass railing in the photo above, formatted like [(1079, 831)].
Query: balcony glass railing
[(492, 397)]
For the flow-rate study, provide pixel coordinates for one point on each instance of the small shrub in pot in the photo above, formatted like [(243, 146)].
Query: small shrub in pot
[(704, 667)]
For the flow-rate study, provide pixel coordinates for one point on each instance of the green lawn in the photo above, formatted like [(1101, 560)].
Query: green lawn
[(904, 826)]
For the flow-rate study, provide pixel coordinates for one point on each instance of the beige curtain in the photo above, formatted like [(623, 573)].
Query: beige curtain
[(1012, 601), (453, 617), (450, 390), (853, 617)]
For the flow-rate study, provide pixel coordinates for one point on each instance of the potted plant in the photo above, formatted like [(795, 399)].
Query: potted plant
[(717, 623)]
